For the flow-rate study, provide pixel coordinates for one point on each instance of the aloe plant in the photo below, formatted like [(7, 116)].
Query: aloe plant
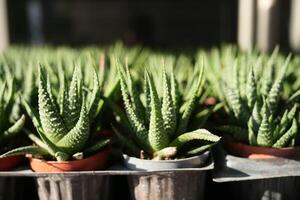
[(10, 128), (158, 117), (63, 121), (260, 114)]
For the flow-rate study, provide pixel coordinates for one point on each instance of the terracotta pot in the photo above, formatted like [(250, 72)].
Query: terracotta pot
[(255, 152), (11, 162), (95, 162)]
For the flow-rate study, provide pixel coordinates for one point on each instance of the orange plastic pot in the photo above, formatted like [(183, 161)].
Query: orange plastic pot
[(95, 162), (255, 152), (11, 162)]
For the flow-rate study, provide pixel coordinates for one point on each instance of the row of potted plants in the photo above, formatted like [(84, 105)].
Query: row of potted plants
[(165, 111), (261, 97)]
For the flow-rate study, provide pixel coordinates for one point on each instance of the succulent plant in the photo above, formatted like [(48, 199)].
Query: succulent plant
[(63, 121), (260, 116), (9, 127), (158, 118)]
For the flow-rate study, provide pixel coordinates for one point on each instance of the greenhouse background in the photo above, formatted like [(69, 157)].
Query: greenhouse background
[(162, 24), (149, 100)]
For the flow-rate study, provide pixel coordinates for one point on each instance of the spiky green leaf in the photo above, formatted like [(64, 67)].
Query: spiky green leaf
[(264, 135), (158, 137), (50, 118), (287, 137), (200, 134), (77, 137), (168, 110), (33, 150)]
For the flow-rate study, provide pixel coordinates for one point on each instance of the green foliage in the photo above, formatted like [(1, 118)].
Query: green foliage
[(9, 128), (63, 124), (163, 130), (260, 95), (53, 97), (253, 88)]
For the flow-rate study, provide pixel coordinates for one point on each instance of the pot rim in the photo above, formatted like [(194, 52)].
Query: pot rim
[(70, 161), (258, 152), (260, 147), (125, 156)]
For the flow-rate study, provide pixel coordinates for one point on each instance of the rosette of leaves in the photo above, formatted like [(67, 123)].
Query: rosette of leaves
[(259, 114), (95, 60), (63, 121), (157, 117), (10, 128)]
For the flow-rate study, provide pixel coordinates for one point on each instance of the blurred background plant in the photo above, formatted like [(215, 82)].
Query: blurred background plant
[(11, 122)]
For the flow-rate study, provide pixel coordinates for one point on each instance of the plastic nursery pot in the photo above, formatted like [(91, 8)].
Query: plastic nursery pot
[(255, 152), (11, 187), (170, 184), (265, 189), (11, 162), (15, 188), (73, 187), (94, 162), (271, 188)]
